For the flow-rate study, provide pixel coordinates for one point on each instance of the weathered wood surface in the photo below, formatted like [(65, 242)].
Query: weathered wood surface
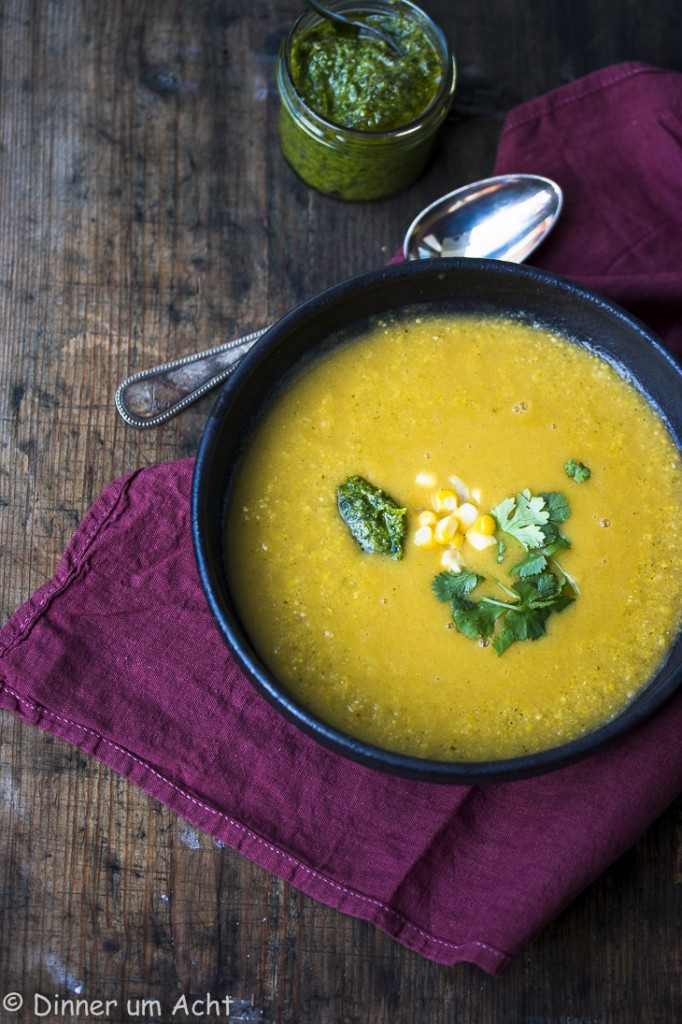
[(145, 212)]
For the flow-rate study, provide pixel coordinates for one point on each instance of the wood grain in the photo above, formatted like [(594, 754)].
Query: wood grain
[(145, 212)]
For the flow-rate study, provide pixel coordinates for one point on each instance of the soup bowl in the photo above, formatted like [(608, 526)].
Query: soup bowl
[(464, 287)]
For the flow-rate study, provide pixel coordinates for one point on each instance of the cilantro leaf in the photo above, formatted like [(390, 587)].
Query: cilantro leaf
[(539, 597), (523, 518), (557, 506), (578, 471), (560, 543), (534, 562), (565, 577), (534, 522), (518, 625), (536, 598), (538, 590), (450, 584), (542, 587), (373, 518), (475, 619), (504, 511)]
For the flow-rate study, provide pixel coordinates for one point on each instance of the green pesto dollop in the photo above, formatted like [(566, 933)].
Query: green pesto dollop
[(376, 522), (359, 82)]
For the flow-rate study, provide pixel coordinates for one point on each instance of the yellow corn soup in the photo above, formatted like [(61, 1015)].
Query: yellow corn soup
[(496, 406)]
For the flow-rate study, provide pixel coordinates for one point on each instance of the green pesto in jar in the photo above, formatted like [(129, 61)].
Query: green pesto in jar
[(356, 120), (359, 82)]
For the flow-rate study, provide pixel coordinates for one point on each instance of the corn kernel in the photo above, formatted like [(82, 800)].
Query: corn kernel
[(425, 479), (461, 489), (451, 560), (467, 514), (476, 496), (423, 537), (445, 529), (427, 518), (444, 500), (479, 540), (485, 524), (457, 540)]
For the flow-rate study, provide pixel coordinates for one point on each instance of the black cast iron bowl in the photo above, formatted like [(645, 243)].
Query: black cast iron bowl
[(465, 286)]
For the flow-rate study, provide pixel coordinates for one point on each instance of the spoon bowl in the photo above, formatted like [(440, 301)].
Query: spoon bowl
[(501, 218)]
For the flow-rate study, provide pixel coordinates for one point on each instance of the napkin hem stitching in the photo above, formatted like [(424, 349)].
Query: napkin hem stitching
[(390, 913)]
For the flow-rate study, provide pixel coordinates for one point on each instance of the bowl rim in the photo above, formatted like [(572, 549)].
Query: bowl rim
[(226, 618)]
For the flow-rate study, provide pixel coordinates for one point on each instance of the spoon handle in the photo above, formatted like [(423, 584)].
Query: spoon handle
[(360, 26), (153, 396)]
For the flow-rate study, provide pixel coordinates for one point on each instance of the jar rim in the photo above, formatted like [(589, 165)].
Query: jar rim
[(445, 89)]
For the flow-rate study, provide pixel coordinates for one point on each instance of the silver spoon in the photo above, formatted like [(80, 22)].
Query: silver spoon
[(502, 218), (362, 27)]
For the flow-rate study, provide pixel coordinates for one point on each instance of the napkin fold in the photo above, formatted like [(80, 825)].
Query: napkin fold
[(119, 656), (613, 141)]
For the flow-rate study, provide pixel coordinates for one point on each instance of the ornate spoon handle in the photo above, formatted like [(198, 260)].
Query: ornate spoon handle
[(153, 396)]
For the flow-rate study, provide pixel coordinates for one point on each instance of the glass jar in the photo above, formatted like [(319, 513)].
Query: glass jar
[(360, 162)]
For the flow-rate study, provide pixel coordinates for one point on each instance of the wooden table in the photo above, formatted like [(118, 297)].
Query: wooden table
[(145, 212)]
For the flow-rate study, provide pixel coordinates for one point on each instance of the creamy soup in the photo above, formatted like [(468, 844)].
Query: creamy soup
[(439, 413)]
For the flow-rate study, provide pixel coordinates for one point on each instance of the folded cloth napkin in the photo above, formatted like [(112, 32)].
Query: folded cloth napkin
[(119, 656)]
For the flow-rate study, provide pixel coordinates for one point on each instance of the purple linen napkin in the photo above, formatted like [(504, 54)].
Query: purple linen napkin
[(118, 653), (613, 141)]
